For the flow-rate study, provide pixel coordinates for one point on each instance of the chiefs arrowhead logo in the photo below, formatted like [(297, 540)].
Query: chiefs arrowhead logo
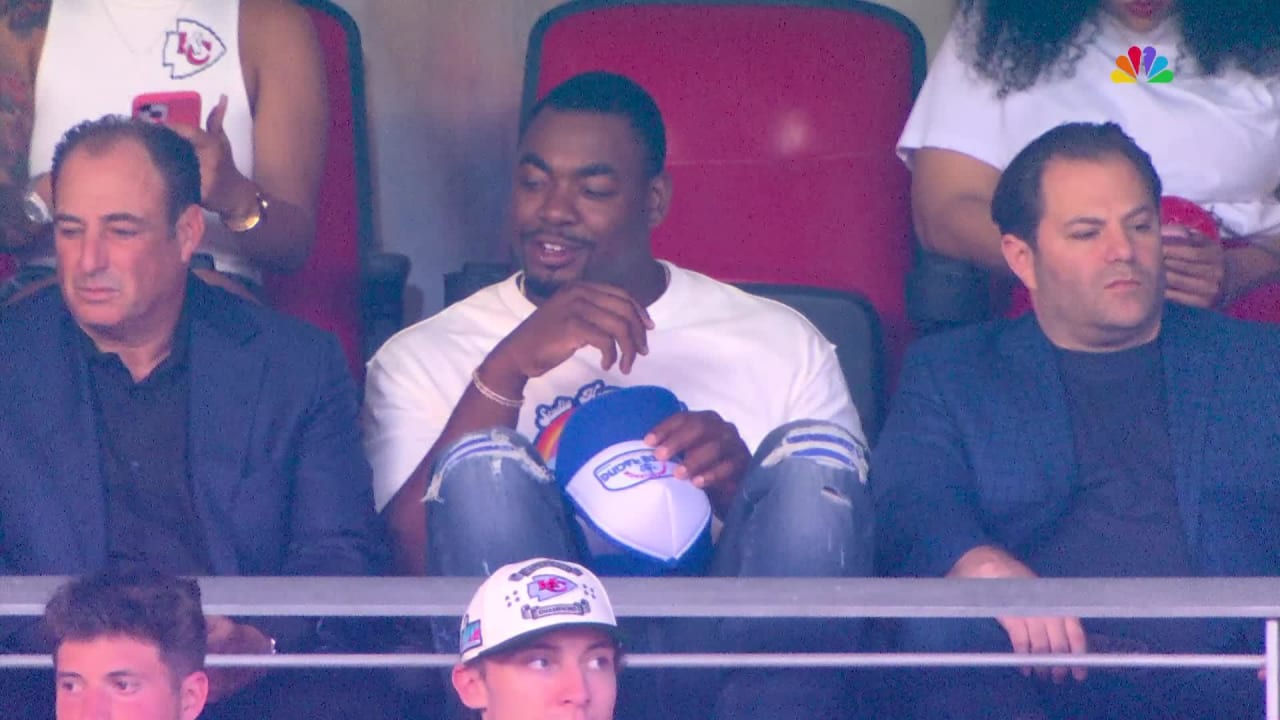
[(191, 48)]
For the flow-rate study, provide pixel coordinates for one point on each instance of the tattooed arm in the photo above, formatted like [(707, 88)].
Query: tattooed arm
[(22, 27)]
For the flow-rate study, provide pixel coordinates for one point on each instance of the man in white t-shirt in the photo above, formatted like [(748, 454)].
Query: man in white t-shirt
[(453, 403)]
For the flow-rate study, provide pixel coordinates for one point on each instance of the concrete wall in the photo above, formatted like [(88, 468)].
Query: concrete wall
[(444, 79)]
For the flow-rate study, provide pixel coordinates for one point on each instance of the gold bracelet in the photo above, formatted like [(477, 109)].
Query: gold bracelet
[(494, 395)]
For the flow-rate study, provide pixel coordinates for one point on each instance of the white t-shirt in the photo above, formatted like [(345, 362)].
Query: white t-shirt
[(756, 362), (99, 55), (1214, 140)]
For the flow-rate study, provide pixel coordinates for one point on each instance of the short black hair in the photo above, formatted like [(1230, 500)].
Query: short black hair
[(138, 603), (608, 93), (171, 153), (1018, 203)]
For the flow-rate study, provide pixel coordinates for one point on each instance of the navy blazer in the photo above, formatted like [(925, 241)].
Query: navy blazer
[(978, 447), (278, 474)]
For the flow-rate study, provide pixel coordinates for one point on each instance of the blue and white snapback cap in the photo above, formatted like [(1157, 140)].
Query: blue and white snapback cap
[(659, 523)]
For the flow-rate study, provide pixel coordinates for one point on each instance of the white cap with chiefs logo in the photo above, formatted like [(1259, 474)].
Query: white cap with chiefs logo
[(528, 598)]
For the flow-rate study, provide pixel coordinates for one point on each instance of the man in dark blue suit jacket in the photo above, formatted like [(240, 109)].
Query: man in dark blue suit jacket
[(1106, 435), (148, 419)]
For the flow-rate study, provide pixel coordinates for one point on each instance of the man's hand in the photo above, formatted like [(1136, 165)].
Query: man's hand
[(577, 315), (1195, 267), (223, 189), (1027, 635), (713, 455), (226, 636)]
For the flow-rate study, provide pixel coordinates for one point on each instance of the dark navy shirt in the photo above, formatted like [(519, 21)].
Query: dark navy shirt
[(142, 430), (1123, 519)]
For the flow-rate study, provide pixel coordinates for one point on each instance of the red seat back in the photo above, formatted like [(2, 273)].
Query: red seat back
[(326, 291), (781, 119)]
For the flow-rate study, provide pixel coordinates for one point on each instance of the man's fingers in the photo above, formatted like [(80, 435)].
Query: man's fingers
[(663, 430), (628, 312), (588, 333), (615, 332), (1079, 643), (641, 313), (716, 474), (1018, 639), (701, 455), (1059, 643), (617, 318), (1038, 639), (681, 438)]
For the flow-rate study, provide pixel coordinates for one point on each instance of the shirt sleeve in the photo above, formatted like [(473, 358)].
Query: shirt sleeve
[(957, 109), (405, 410)]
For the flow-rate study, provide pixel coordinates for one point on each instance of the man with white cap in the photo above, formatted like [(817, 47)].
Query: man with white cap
[(539, 641)]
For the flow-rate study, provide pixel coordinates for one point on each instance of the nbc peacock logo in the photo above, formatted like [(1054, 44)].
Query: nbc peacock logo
[(1142, 65)]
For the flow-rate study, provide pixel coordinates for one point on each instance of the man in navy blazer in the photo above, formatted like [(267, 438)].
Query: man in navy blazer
[(148, 419), (1107, 435)]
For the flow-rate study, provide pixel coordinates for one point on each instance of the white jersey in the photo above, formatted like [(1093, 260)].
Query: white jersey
[(100, 54), (757, 363), (1214, 140)]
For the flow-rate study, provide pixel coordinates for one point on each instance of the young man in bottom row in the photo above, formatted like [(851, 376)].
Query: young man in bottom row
[(539, 640), (128, 645)]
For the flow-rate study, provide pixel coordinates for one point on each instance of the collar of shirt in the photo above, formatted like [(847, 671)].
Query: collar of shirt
[(175, 360)]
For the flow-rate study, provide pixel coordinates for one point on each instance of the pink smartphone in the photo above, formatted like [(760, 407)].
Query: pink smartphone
[(165, 108)]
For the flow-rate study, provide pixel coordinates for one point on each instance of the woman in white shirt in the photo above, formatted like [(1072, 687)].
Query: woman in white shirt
[(1009, 70)]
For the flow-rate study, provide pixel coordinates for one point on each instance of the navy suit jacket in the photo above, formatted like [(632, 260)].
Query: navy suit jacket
[(978, 448), (278, 474)]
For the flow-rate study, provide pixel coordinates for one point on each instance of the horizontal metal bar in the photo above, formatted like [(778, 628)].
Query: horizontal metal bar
[(732, 660), (734, 597)]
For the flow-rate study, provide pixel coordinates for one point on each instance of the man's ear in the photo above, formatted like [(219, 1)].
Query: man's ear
[(659, 199), (192, 694), (1020, 257), (189, 230), (468, 680)]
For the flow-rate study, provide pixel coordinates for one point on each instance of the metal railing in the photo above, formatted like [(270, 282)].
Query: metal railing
[(1246, 598)]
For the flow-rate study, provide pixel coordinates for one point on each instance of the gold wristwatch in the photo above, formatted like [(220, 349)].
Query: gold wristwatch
[(250, 221)]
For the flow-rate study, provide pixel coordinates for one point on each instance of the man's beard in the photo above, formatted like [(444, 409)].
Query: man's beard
[(536, 288)]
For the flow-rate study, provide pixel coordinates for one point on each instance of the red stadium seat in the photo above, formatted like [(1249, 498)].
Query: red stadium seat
[(782, 119), (345, 287)]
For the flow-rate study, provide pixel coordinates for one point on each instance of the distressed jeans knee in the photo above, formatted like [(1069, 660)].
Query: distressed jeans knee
[(492, 501), (467, 457), (803, 509)]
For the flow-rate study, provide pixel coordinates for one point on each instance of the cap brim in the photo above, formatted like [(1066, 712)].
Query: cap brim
[(520, 641)]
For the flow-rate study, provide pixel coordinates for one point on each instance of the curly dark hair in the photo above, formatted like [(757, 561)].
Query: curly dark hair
[(1015, 43)]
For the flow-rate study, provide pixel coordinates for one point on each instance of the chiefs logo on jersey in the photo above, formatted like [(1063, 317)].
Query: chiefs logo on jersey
[(191, 47)]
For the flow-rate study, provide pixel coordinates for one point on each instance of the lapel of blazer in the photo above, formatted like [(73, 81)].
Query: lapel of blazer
[(226, 379), (1190, 372), (1040, 398)]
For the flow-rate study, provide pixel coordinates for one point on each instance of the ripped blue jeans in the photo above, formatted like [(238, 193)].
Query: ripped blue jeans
[(802, 510)]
